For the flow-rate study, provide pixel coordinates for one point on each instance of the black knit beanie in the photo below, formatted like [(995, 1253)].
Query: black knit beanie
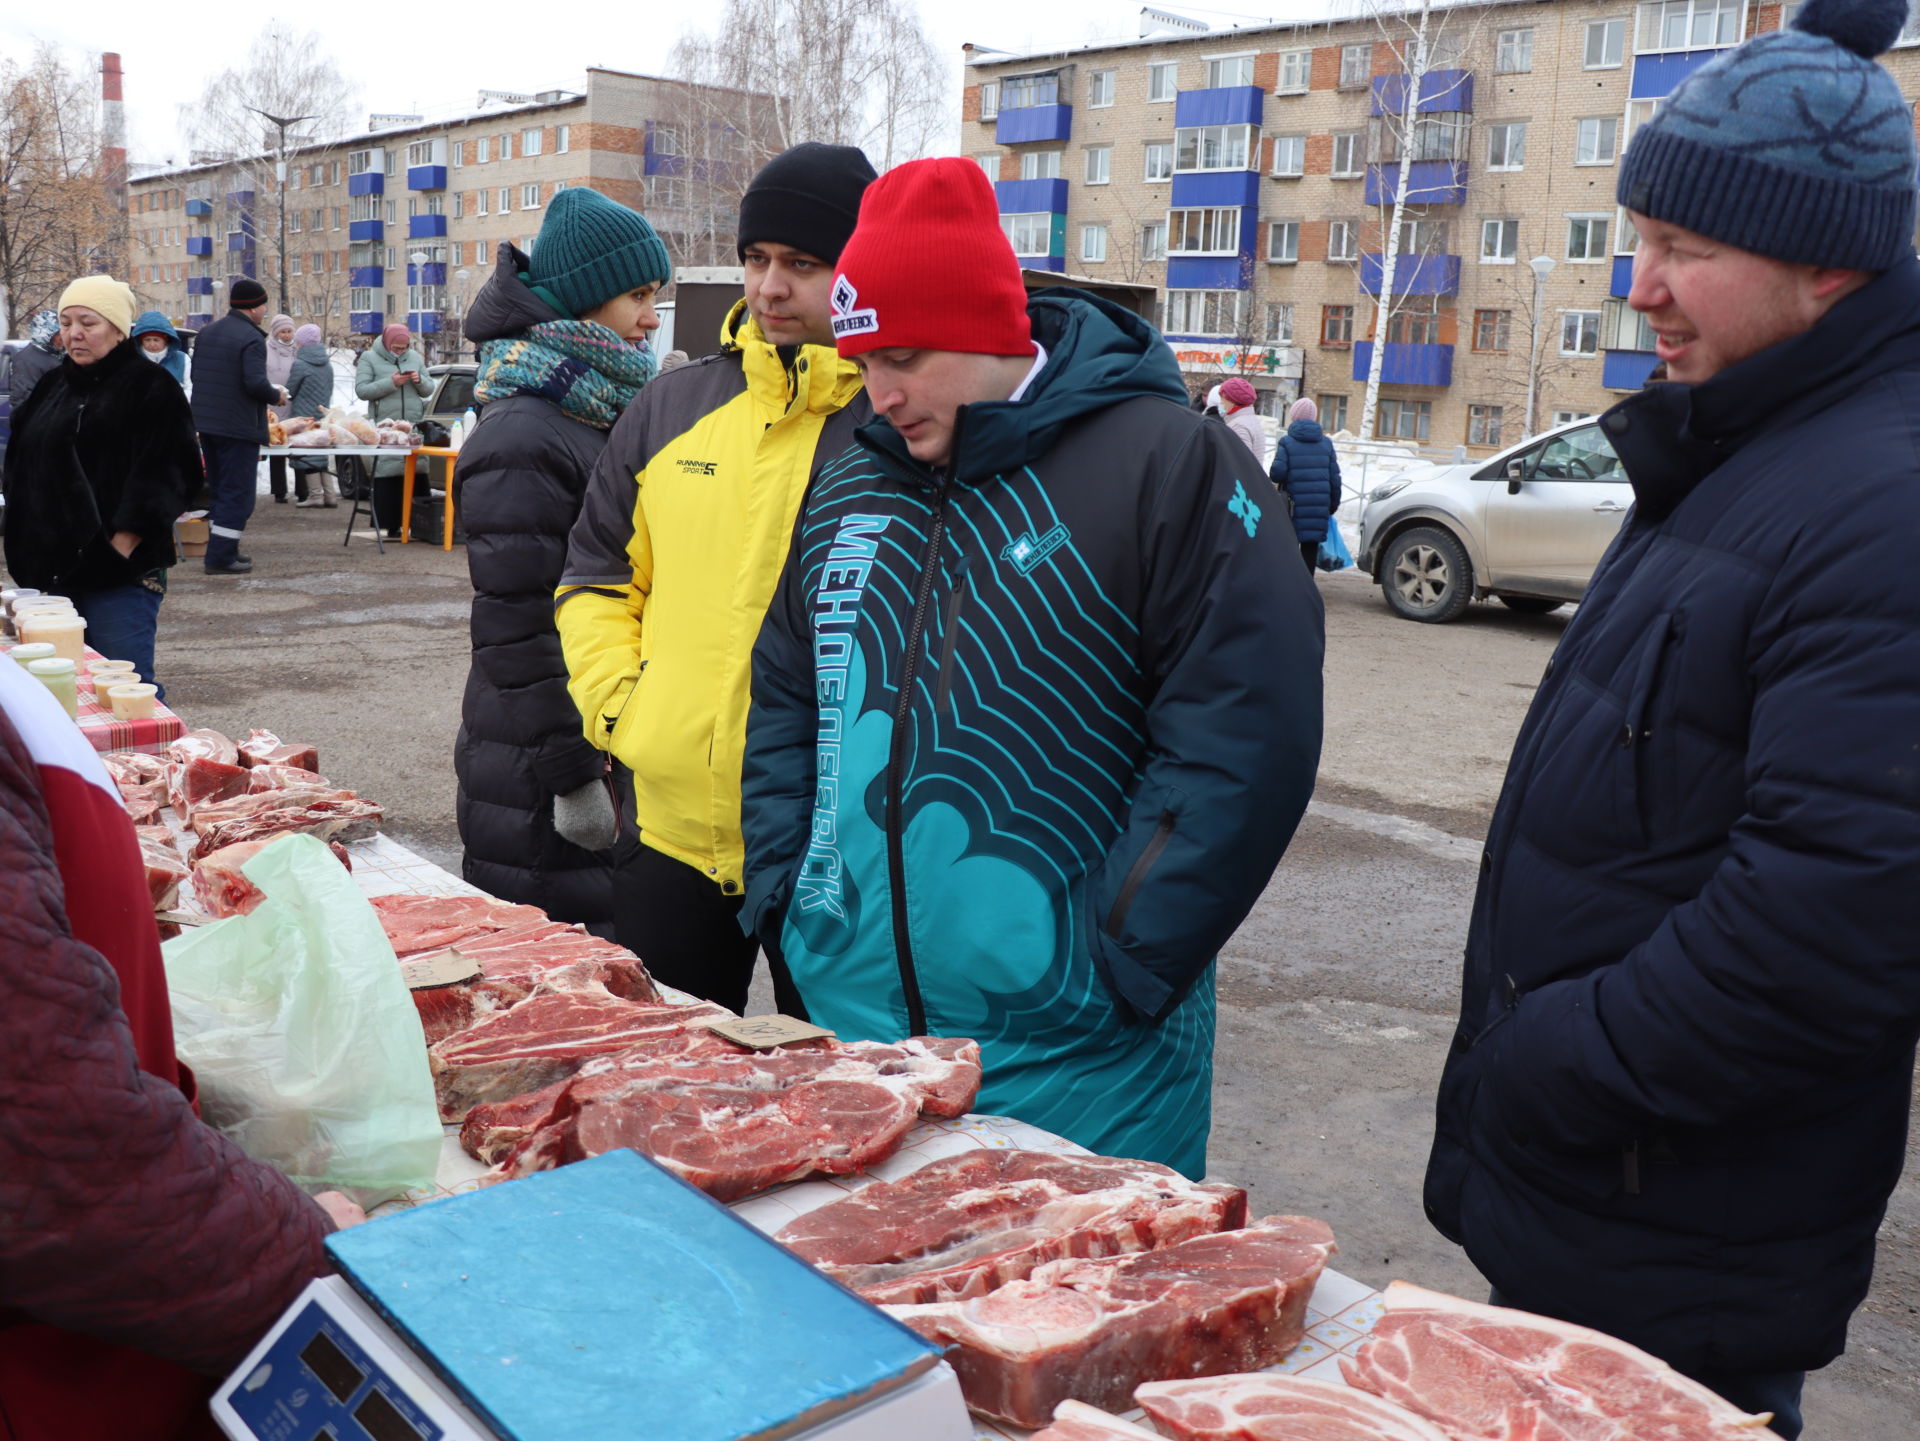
[(246, 294), (807, 197)]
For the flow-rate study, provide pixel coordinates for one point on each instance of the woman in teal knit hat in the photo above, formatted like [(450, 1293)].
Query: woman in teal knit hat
[(563, 338)]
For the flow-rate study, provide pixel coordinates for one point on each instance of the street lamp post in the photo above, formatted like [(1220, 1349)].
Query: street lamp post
[(1542, 267), (281, 123), (418, 259), (462, 277)]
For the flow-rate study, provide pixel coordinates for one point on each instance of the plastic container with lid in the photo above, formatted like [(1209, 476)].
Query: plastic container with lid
[(132, 702), (56, 673), (67, 632), (38, 650)]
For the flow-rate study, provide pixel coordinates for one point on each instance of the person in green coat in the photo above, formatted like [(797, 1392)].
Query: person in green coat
[(392, 378)]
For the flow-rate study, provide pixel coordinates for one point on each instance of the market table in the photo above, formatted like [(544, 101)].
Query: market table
[(409, 455), (364, 490), (151, 734)]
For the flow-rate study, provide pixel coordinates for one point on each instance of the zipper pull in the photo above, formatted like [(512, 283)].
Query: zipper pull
[(1630, 1168)]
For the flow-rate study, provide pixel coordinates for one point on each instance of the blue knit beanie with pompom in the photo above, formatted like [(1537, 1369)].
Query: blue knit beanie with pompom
[(1796, 145)]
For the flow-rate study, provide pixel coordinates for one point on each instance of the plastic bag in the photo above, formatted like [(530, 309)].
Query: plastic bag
[(1334, 554), (300, 1031)]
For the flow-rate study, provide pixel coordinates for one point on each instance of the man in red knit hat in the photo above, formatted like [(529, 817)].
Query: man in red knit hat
[(1037, 705)]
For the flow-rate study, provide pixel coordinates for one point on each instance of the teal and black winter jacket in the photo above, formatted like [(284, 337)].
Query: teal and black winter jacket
[(1029, 736)]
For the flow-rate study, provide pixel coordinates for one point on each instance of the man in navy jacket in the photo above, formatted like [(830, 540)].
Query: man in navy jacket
[(231, 394), (1677, 1100)]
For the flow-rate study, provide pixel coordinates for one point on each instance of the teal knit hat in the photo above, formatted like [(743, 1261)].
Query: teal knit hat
[(591, 249)]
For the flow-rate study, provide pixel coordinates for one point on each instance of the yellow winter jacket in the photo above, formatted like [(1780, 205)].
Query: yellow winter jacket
[(671, 565)]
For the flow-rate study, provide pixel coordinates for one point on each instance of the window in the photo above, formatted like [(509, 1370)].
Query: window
[(1336, 325), (530, 196), (562, 139), (1346, 154), (1159, 160), (1100, 89), (479, 202), (1499, 241), (1279, 324), (1283, 241), (293, 220), (359, 162), (361, 300), (1031, 234), (1567, 417), (506, 148), (1624, 328), (365, 207), (1333, 413), (1163, 80), (1213, 231), (1290, 155), (1594, 140), (1229, 70), (1356, 66), (1093, 242), (506, 197), (530, 141), (1690, 24), (1639, 112), (1153, 240), (1579, 332), (1203, 312), (1483, 424), (1606, 44), (1403, 420), (1512, 52), (483, 150), (420, 152), (393, 210), (1099, 164), (665, 192), (1587, 237), (1040, 165), (1491, 329), (990, 100), (1296, 72), (1581, 454), (393, 162), (1423, 237), (989, 165), (1343, 240), (459, 153), (1415, 322), (1507, 146), (1212, 147), (1626, 239), (459, 204), (1435, 137), (1023, 92)]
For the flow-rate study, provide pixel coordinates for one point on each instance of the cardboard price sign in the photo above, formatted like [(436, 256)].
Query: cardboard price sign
[(764, 1033), (442, 968)]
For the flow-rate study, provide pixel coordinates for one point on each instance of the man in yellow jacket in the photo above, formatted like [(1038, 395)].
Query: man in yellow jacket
[(672, 563)]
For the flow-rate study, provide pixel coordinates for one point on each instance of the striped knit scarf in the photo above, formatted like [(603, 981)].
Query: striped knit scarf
[(584, 368)]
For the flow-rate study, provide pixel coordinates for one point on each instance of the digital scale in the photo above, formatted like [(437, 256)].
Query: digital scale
[(607, 1299)]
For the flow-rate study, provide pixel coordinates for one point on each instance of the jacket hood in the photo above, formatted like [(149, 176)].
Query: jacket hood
[(506, 304), (1098, 354), (315, 354), (1306, 430), (152, 322)]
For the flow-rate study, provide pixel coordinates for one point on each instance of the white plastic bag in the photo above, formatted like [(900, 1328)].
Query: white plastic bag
[(297, 1024)]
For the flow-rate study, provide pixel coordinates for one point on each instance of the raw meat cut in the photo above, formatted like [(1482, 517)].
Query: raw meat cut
[(264, 748), (1270, 1407), (166, 868), (546, 1038), (142, 782), (1489, 1372), (204, 745), (432, 923), (327, 814), (1092, 1330), (963, 1225), (278, 778), (1077, 1421), (198, 781), (225, 891), (739, 1121)]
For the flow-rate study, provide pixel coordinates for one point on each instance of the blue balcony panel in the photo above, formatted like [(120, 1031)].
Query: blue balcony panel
[(1208, 272), (1429, 182), (1413, 274), (199, 245), (422, 227), (1622, 276), (1626, 369), (1440, 90), (239, 240), (426, 177), (199, 285), (1056, 263), (1229, 105), (662, 164), (1406, 364), (199, 207), (432, 273), (366, 322), (367, 277), (1033, 123), (239, 200), (423, 321), (366, 230), (1216, 187), (1657, 75), (200, 321), (244, 266), (367, 182), (1028, 197)]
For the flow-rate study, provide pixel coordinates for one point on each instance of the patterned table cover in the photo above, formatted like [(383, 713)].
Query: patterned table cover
[(152, 734)]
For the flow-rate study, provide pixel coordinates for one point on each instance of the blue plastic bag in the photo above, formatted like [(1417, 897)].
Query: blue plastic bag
[(1334, 554)]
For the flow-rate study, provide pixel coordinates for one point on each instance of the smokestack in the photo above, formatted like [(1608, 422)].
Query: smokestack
[(113, 126)]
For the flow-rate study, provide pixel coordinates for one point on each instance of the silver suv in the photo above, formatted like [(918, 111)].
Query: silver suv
[(1527, 526)]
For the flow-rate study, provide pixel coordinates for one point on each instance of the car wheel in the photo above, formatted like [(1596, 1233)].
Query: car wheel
[(1425, 575), (1531, 604)]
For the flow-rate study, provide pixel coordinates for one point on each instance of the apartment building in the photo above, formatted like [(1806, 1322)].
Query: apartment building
[(1251, 172), (404, 222)]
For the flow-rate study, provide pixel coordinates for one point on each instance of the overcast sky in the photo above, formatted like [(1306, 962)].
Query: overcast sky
[(168, 50)]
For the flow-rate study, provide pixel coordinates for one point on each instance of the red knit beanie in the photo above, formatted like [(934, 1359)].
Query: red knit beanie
[(928, 267)]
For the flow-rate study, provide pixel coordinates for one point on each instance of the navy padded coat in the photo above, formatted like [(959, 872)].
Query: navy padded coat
[(1306, 468), (231, 391), (1677, 1100)]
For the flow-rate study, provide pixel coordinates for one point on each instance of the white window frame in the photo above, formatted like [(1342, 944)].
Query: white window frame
[(1153, 241), (1163, 81), (990, 100), (505, 198), (1300, 62), (989, 166), (1355, 143), (1204, 230), (1093, 244), (1212, 305), (1501, 135), (1513, 51), (1356, 58), (1040, 165), (1283, 242), (562, 139), (1235, 144), (1655, 17), (1163, 149), (1626, 235), (1343, 240), (1612, 36), (1589, 253), (480, 201), (1639, 112), (1102, 85), (1242, 62), (1596, 140), (483, 150), (1279, 328), (1021, 228), (1099, 164), (1509, 230), (1582, 324), (1290, 148)]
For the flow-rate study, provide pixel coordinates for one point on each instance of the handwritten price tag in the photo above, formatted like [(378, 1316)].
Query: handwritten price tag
[(763, 1033), (442, 968)]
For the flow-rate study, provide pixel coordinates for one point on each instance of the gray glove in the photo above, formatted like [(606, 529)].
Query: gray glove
[(585, 817)]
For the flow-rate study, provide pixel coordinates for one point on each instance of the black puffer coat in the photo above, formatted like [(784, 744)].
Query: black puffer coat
[(522, 475), (231, 391), (98, 449)]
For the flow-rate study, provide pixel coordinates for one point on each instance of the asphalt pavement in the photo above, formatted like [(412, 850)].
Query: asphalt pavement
[(1337, 994)]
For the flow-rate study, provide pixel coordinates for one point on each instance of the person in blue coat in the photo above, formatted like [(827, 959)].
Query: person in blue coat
[(1307, 469), (160, 343), (1677, 1100)]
